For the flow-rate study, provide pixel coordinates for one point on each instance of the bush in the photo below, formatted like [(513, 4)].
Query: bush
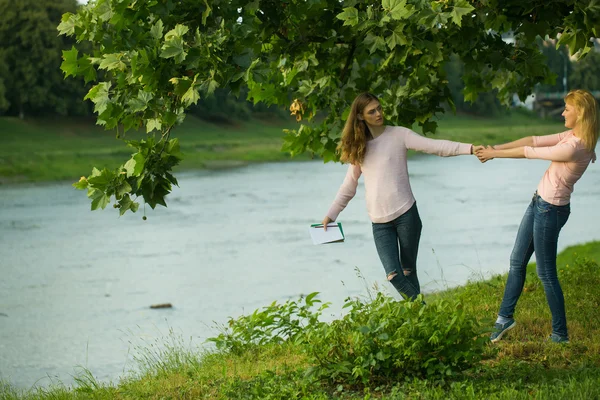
[(376, 340), (386, 339), (272, 325)]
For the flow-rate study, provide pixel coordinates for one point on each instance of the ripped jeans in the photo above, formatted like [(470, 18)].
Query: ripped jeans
[(397, 244)]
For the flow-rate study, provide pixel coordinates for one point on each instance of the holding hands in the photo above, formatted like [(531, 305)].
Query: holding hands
[(484, 153)]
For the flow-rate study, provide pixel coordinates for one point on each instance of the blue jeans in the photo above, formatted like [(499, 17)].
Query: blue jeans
[(538, 232), (397, 244)]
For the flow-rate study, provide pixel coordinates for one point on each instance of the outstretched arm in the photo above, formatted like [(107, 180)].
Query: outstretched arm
[(487, 153), (526, 141), (533, 141), (562, 152), (440, 147)]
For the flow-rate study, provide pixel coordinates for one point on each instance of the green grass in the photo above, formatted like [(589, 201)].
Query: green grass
[(506, 128), (523, 365), (65, 149)]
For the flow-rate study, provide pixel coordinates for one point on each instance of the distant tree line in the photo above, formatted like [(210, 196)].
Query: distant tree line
[(32, 84)]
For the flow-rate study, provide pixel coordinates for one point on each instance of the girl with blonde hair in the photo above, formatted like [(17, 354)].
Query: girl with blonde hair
[(378, 152), (570, 153)]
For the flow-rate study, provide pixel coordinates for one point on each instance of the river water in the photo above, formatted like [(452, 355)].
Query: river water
[(76, 285)]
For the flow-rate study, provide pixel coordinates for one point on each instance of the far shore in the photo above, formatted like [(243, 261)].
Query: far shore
[(63, 150)]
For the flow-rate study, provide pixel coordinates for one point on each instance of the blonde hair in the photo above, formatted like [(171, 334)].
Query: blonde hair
[(353, 143), (586, 107)]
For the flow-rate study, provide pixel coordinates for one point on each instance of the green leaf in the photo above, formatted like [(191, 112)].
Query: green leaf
[(181, 85), (173, 48), (67, 24), (206, 12), (122, 189), (209, 86), (301, 65), (243, 59), (430, 126), (112, 61), (324, 81), (567, 39), (125, 204), (396, 38), (398, 9), (69, 65), (100, 180), (140, 162), (153, 124), (135, 165), (81, 184), (103, 10), (170, 118), (261, 92), (157, 30), (212, 85), (191, 96), (329, 156), (99, 96), (461, 8), (470, 94), (129, 166), (100, 202), (171, 178), (349, 16), (173, 146), (86, 69), (177, 32), (532, 30), (374, 42), (140, 103)]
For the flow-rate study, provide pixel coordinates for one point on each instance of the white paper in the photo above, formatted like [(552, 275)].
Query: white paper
[(320, 236)]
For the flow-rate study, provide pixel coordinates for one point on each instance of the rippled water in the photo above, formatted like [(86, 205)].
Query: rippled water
[(77, 285)]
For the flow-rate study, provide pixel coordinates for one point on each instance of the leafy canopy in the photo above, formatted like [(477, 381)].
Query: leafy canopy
[(158, 57)]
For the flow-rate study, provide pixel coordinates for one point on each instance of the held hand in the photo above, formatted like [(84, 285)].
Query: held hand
[(326, 220), (474, 149), (485, 153)]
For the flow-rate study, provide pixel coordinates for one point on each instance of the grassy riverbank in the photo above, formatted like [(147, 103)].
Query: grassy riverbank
[(65, 149), (523, 365)]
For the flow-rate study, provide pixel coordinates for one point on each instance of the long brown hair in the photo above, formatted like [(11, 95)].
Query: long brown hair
[(587, 115), (353, 143)]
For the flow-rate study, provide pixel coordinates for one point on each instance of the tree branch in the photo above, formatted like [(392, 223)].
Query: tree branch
[(349, 59)]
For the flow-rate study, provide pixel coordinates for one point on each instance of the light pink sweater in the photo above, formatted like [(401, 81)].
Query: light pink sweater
[(570, 159), (387, 187)]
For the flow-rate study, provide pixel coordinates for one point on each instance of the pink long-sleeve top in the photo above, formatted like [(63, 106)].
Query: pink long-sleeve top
[(570, 158), (388, 191)]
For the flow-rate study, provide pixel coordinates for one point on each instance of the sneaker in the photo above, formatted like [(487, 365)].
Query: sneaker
[(500, 330), (556, 338)]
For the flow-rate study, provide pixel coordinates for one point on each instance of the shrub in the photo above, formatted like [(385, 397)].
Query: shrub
[(385, 339), (271, 325)]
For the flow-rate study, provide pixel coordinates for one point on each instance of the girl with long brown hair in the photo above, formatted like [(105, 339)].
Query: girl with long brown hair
[(378, 152)]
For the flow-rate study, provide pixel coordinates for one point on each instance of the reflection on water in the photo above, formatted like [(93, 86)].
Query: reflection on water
[(77, 285)]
